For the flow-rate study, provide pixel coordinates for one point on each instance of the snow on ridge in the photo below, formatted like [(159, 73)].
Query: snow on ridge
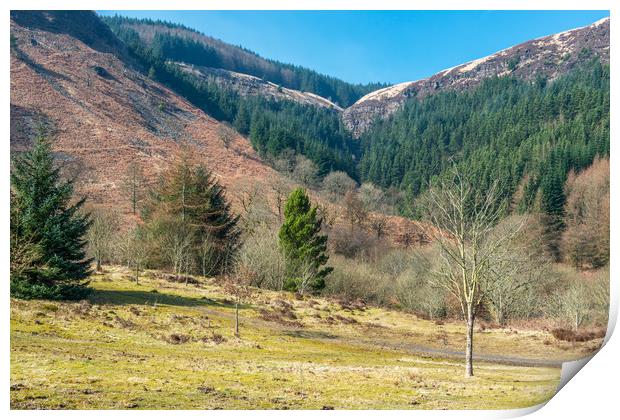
[(386, 93), (559, 39)]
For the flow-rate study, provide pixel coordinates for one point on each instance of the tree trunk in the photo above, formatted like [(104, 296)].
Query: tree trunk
[(237, 319), (98, 267), (469, 348), (137, 273)]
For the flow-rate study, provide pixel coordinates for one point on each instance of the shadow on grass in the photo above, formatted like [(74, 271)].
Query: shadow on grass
[(138, 297)]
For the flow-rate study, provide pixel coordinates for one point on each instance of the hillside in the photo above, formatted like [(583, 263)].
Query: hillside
[(201, 49), (103, 115), (525, 136), (132, 301), (546, 57), (172, 346), (247, 85)]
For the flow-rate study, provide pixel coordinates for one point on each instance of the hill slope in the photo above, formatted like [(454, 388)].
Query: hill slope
[(546, 57), (247, 85), (103, 114), (196, 48)]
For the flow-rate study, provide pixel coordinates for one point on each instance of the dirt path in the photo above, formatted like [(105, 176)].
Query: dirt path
[(410, 348)]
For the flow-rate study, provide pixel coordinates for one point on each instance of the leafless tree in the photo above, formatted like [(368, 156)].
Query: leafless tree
[(354, 210), (378, 222), (134, 249), (176, 242), (464, 218), (261, 255), (337, 184), (280, 190), (238, 285), (573, 304), (226, 133), (101, 234), (372, 197), (133, 185), (305, 171), (513, 272)]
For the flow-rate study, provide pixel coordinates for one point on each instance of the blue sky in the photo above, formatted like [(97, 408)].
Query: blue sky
[(371, 46)]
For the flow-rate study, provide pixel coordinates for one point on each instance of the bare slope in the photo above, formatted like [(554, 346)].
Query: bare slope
[(248, 85), (102, 114), (548, 57)]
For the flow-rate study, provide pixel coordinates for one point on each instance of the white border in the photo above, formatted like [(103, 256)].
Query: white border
[(592, 395)]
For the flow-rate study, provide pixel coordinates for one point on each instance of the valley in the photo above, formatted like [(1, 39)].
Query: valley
[(436, 244)]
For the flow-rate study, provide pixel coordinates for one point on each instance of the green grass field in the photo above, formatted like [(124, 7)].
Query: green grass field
[(164, 345)]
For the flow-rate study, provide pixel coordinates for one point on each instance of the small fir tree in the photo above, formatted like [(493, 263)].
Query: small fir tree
[(303, 245), (47, 229)]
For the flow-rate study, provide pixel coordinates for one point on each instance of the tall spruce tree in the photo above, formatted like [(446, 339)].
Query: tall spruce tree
[(47, 229), (303, 245), (190, 194)]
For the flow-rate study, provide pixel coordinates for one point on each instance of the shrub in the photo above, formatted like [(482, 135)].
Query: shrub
[(261, 256), (23, 289)]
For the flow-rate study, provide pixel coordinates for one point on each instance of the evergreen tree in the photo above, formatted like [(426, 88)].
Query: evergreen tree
[(47, 230), (302, 244), (192, 196)]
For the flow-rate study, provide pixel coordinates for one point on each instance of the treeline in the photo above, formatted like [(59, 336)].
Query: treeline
[(527, 135), (281, 241), (186, 226), (180, 43), (272, 126)]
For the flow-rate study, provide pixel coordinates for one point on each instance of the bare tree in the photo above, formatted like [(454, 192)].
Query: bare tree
[(133, 185), (226, 133), (354, 210), (280, 190), (100, 235), (337, 184), (513, 272), (208, 254), (177, 239), (464, 218), (261, 255), (239, 287), (378, 222), (305, 171), (372, 197), (133, 248)]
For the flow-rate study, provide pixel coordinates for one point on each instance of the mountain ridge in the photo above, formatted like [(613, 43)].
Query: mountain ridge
[(547, 56)]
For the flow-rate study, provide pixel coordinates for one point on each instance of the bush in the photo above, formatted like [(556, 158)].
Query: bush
[(358, 280), (565, 334), (261, 256), (352, 243), (23, 289)]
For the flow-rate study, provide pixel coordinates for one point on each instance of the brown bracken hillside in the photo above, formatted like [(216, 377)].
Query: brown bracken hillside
[(71, 76)]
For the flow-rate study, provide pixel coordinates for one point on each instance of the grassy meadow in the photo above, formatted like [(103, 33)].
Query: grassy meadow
[(161, 344)]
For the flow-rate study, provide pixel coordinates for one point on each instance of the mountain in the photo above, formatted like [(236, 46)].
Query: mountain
[(72, 76), (546, 57), (181, 43), (74, 79)]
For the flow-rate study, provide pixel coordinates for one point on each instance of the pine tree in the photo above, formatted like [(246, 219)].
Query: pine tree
[(302, 244), (191, 195), (46, 228)]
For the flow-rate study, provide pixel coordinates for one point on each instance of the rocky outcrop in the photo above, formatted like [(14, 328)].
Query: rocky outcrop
[(547, 57), (247, 85)]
